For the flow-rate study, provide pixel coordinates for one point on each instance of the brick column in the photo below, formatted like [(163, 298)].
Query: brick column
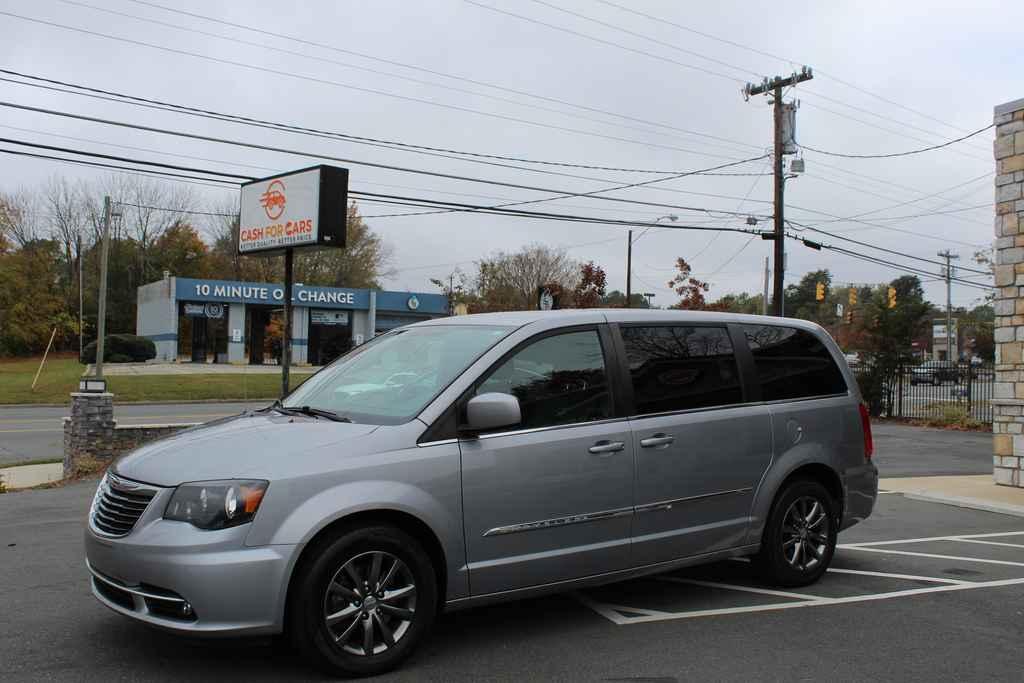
[(1008, 400), (89, 432)]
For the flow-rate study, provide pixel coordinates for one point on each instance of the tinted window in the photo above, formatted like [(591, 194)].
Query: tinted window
[(678, 368), (792, 363), (558, 380)]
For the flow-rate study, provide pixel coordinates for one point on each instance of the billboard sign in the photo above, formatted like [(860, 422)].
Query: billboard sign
[(302, 209)]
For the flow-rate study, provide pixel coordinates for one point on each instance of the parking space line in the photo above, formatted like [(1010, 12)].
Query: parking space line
[(887, 575), (975, 540), (621, 620), (932, 538), (932, 555), (734, 587)]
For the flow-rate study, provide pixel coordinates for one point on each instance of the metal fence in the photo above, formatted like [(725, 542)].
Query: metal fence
[(928, 390)]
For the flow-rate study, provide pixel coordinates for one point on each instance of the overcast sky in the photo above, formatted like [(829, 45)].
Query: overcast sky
[(638, 93)]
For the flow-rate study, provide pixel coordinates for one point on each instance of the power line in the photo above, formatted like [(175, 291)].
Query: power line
[(316, 133), (421, 69), (373, 91), (770, 55), (357, 67), (674, 47), (874, 246), (192, 180), (899, 154), (111, 157), (159, 105), (902, 266), (390, 167)]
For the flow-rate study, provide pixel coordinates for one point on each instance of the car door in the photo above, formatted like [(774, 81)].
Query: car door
[(552, 498), (700, 450)]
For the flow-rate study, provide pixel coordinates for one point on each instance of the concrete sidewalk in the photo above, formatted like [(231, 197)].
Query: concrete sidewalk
[(978, 492)]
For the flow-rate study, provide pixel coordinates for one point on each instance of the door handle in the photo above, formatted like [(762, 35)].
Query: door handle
[(657, 440), (606, 447)]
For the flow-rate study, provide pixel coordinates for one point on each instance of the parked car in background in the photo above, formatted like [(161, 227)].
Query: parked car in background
[(935, 372), (474, 459)]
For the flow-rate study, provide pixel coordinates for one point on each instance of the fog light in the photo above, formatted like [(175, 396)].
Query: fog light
[(186, 609)]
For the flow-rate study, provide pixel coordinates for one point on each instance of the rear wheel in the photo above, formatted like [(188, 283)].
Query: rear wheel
[(799, 538), (363, 603)]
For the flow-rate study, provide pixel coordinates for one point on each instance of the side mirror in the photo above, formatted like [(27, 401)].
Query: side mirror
[(492, 411)]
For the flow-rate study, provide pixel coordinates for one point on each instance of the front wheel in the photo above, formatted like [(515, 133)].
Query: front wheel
[(799, 538), (363, 602)]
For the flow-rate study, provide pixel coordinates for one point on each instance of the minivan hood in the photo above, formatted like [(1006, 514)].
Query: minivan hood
[(247, 446)]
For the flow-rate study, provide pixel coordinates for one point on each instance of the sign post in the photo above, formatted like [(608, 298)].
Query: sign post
[(305, 209)]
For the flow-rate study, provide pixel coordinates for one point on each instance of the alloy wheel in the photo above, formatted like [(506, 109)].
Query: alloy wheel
[(805, 533), (370, 603)]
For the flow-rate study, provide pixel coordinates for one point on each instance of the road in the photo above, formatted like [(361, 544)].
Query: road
[(35, 432), (919, 609), (32, 433)]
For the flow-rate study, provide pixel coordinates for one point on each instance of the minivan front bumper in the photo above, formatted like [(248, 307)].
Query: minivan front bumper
[(179, 578)]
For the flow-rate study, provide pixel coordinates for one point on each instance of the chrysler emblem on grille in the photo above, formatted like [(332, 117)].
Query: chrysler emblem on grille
[(121, 484)]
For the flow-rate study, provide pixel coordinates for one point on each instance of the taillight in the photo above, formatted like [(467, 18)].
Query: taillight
[(865, 425)]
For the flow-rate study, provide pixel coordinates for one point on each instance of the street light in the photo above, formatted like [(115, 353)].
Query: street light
[(629, 255)]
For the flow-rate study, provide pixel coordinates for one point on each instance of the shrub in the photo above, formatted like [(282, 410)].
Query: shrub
[(121, 348), (952, 416)]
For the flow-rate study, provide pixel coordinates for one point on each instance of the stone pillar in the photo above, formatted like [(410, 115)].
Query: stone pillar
[(89, 431), (1008, 399)]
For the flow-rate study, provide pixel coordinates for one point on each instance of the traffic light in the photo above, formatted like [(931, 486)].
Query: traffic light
[(819, 291), (849, 316), (853, 297), (892, 297)]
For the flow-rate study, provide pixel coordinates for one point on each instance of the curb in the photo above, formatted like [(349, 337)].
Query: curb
[(971, 503), (13, 406)]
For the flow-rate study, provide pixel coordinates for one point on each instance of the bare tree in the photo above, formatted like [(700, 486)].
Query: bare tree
[(510, 281), (149, 208), (68, 219), (19, 216)]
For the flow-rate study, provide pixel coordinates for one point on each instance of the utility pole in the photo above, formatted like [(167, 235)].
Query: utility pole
[(80, 283), (629, 271), (286, 349), (949, 256), (101, 322), (780, 114), (764, 300)]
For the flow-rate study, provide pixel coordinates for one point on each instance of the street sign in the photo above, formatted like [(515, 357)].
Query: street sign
[(302, 209)]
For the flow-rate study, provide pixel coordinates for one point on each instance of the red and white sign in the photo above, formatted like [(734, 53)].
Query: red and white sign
[(280, 212)]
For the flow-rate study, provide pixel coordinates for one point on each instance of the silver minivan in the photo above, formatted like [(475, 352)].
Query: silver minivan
[(473, 459)]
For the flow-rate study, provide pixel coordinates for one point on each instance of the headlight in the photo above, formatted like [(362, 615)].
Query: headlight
[(216, 504)]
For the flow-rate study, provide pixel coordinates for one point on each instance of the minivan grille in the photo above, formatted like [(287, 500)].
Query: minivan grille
[(118, 505)]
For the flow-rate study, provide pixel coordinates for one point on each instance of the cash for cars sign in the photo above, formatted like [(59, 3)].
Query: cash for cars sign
[(302, 209)]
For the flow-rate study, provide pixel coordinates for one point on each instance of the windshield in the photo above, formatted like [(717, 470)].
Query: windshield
[(392, 378)]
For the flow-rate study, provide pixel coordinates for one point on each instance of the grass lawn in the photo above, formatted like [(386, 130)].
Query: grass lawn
[(60, 377)]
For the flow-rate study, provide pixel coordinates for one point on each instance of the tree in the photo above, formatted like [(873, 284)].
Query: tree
[(509, 281), (590, 288), (741, 303), (801, 299), (26, 321), (181, 251), (19, 218), (690, 289), (616, 299)]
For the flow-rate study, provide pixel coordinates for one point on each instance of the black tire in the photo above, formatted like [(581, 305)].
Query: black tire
[(773, 560), (310, 602)]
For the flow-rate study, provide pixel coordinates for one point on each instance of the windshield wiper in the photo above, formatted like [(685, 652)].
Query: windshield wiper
[(307, 410)]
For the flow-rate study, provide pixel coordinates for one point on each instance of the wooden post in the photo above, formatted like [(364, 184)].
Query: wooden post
[(45, 353)]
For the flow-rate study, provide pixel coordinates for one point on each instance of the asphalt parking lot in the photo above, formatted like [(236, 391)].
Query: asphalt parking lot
[(898, 604)]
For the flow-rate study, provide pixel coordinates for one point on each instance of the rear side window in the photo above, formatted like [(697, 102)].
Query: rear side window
[(792, 363), (558, 380), (680, 368)]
